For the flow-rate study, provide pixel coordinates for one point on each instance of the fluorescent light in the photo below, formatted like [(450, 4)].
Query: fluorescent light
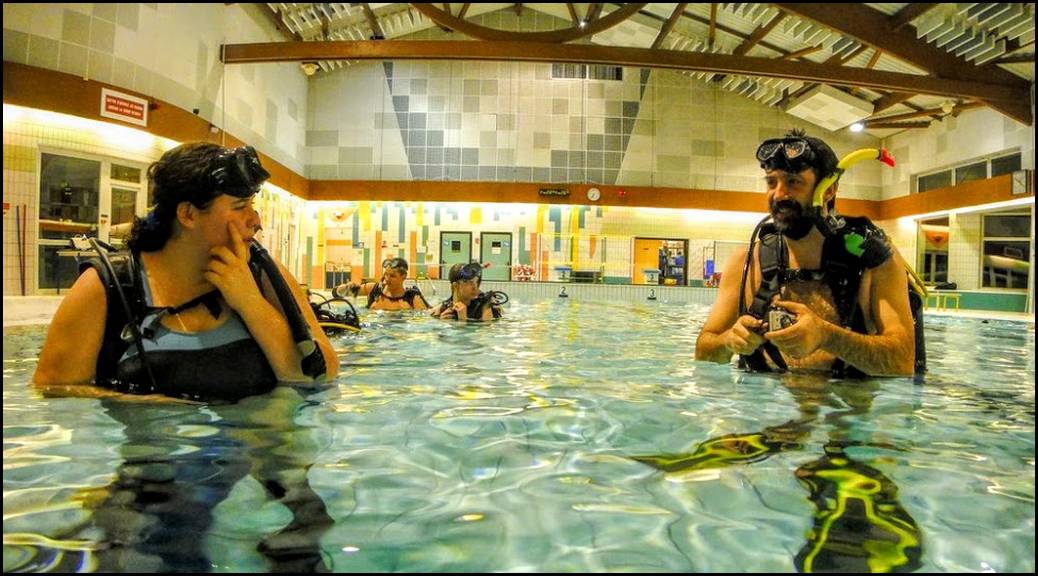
[(857, 127)]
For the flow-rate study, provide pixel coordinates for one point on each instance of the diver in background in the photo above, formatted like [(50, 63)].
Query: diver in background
[(467, 302), (389, 293)]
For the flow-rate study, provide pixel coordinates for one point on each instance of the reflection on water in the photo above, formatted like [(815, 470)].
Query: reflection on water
[(568, 437)]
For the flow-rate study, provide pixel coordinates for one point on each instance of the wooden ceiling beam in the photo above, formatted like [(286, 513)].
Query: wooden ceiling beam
[(909, 12), (553, 36), (956, 110), (376, 29), (895, 125), (890, 100), (712, 33), (573, 14), (669, 25), (1008, 96)]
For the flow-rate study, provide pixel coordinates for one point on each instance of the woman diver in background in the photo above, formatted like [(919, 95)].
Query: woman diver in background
[(189, 312), (467, 302), (389, 293)]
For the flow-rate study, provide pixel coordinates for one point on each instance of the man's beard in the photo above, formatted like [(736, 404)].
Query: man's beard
[(790, 219)]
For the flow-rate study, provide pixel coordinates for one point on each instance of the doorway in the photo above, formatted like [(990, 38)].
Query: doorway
[(455, 248), (495, 248), (660, 261)]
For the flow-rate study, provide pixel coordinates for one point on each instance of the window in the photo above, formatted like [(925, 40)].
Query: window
[(1005, 165), (974, 170), (934, 181), (935, 235), (585, 71), (1007, 250), (970, 172)]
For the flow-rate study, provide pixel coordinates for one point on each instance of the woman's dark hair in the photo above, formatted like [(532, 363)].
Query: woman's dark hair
[(183, 174)]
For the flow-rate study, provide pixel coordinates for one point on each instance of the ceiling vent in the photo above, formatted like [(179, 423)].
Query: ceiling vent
[(829, 108)]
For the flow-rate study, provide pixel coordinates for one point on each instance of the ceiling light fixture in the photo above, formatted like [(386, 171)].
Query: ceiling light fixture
[(309, 68), (857, 127)]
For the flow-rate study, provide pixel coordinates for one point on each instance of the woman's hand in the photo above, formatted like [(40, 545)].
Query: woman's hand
[(228, 270)]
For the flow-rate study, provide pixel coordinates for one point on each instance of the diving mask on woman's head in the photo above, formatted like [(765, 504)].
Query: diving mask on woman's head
[(467, 272), (790, 154), (238, 172)]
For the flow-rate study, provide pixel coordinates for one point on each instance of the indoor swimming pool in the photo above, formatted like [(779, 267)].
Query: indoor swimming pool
[(569, 436)]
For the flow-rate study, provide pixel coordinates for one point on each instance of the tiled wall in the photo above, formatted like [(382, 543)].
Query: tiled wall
[(288, 225), (172, 52), (973, 134), (513, 122), (360, 235)]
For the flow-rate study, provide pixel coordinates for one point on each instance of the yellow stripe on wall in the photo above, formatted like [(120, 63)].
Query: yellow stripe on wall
[(476, 215)]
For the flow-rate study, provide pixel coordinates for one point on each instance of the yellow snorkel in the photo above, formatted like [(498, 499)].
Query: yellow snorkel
[(830, 223)]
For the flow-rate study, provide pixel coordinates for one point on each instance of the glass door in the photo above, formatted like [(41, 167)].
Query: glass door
[(95, 197)]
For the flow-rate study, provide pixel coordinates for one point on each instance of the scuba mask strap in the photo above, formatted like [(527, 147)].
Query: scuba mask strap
[(831, 223), (313, 364)]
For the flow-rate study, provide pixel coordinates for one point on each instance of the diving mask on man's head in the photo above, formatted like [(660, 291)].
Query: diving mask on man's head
[(791, 154), (238, 172), (467, 272)]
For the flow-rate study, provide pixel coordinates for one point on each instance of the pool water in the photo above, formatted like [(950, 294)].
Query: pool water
[(567, 437)]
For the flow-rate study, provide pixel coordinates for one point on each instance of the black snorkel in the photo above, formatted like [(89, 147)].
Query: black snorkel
[(313, 364), (102, 249)]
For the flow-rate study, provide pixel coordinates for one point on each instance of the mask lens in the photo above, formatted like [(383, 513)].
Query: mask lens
[(768, 149), (793, 149)]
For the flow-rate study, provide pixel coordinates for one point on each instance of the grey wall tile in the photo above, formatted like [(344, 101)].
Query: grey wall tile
[(401, 103), (470, 173), (434, 172), (105, 10), (595, 141), (128, 15), (506, 121), (470, 104), (434, 138), (419, 86), (452, 156), (434, 156), (559, 159), (100, 67), (270, 124), (541, 140), (102, 35), (75, 27), (487, 139), (470, 156), (73, 59), (630, 109), (322, 137), (576, 159), (470, 88), (452, 172), (559, 106), (613, 126), (707, 148), (416, 121), (487, 173), (437, 103), (16, 46), (541, 174), (488, 88), (324, 172), (418, 171), (244, 112)]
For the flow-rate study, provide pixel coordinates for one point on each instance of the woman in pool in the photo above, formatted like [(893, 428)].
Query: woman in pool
[(467, 302), (389, 294), (188, 312)]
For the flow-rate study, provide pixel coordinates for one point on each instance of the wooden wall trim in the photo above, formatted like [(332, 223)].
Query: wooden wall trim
[(44, 89), (975, 193), (54, 91), (527, 193)]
